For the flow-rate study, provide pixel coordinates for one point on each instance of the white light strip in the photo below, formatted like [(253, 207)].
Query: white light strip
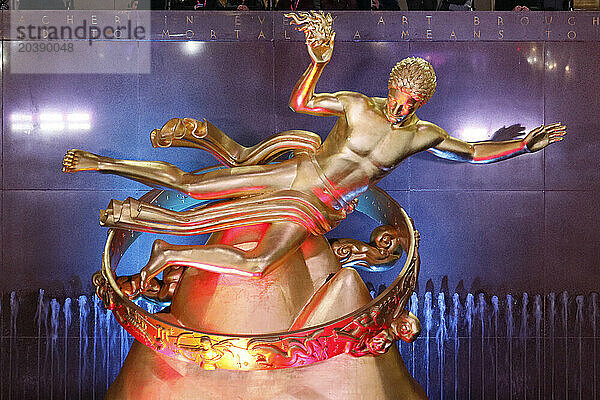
[(78, 117), (21, 126), (52, 126), (78, 122), (21, 117), (51, 117), (21, 122), (51, 121)]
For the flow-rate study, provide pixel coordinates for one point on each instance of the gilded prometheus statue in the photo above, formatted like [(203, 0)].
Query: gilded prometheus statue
[(371, 137), (291, 202)]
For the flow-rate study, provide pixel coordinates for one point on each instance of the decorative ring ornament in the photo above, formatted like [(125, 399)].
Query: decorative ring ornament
[(371, 329)]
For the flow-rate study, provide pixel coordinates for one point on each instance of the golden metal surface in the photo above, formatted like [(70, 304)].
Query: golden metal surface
[(268, 217), (188, 132), (370, 329), (385, 241), (147, 374)]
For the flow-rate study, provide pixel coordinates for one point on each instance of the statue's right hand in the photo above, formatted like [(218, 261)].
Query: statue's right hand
[(318, 30), (176, 128), (320, 52)]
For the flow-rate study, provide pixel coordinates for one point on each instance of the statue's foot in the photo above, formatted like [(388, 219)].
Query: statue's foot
[(156, 264), (127, 210), (79, 160), (112, 214), (130, 285)]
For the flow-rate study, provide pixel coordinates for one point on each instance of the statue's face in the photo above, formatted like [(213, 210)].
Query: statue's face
[(399, 105)]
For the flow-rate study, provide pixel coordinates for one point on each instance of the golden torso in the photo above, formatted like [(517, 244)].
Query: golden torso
[(364, 146)]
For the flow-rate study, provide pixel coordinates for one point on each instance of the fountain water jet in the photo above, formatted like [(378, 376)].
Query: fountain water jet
[(414, 309), (14, 312), (481, 307), (552, 300), (509, 335), (538, 342), (579, 323), (523, 335), (454, 326), (97, 311), (565, 305), (594, 315), (441, 335), (428, 325), (83, 341), (67, 315), (107, 348), (469, 313), (54, 313), (38, 317), (496, 311)]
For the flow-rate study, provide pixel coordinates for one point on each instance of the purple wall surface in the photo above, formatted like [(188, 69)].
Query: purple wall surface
[(509, 250)]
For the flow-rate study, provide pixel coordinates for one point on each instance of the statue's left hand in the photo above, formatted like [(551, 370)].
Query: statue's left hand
[(543, 135)]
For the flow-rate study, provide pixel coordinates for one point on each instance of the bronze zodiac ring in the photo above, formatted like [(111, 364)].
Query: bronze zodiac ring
[(364, 331)]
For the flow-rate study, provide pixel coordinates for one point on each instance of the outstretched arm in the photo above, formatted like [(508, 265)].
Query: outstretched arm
[(488, 152), (319, 41)]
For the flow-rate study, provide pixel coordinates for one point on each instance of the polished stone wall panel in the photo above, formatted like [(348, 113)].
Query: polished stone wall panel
[(229, 84), (52, 238), (110, 101), (481, 232), (572, 250), (483, 93), (528, 225), (572, 84)]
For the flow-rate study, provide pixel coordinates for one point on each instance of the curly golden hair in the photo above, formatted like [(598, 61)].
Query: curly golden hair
[(416, 76)]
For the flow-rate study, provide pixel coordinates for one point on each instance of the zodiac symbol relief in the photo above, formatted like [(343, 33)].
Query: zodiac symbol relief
[(283, 206)]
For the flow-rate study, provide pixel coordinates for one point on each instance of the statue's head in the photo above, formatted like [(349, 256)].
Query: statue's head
[(412, 83)]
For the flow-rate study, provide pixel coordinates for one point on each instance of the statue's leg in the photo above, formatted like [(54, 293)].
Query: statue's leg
[(280, 240), (223, 183), (344, 293)]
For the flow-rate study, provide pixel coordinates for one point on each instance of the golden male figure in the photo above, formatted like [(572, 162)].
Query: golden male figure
[(371, 137)]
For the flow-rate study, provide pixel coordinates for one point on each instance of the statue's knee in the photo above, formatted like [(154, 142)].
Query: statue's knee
[(262, 262), (348, 277), (348, 281), (160, 248), (188, 187)]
